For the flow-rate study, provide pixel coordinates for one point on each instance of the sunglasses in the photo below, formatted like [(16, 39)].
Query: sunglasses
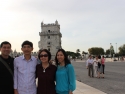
[(45, 55)]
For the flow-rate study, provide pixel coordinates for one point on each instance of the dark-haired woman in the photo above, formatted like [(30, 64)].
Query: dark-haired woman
[(46, 74), (65, 75)]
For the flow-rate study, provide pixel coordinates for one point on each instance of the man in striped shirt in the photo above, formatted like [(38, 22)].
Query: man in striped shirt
[(24, 71)]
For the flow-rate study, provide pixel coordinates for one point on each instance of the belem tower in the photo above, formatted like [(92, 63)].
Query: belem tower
[(50, 37)]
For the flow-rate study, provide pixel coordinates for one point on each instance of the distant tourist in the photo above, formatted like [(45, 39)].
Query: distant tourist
[(89, 65), (65, 75), (6, 69), (99, 66), (103, 65), (24, 71), (99, 56), (95, 66), (45, 72)]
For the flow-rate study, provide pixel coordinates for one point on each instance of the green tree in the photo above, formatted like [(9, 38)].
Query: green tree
[(84, 53), (112, 50), (73, 54), (77, 51), (107, 52), (96, 51), (122, 50)]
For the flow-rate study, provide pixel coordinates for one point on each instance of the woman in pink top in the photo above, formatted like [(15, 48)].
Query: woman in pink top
[(103, 65)]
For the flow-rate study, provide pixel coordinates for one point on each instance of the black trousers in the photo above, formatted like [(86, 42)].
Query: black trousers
[(103, 68)]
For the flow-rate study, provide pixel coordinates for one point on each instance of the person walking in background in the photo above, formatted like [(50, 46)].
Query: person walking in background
[(6, 69), (89, 65), (45, 72), (24, 71), (99, 66), (103, 65), (95, 65), (65, 75)]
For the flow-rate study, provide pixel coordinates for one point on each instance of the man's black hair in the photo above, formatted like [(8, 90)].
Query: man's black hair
[(27, 43), (4, 42)]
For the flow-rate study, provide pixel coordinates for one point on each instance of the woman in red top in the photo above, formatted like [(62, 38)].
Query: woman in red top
[(103, 65)]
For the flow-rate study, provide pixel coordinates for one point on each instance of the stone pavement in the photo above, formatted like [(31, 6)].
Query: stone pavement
[(113, 83), (82, 88)]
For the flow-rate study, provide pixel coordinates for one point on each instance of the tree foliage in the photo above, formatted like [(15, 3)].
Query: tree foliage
[(77, 51), (107, 52), (96, 51), (112, 50), (122, 50), (74, 55), (83, 52)]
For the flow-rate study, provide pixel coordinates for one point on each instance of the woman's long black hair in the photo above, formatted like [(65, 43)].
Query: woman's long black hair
[(67, 61)]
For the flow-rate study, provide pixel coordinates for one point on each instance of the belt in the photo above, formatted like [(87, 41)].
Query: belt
[(90, 64)]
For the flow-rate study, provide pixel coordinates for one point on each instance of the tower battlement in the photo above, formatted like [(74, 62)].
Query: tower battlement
[(50, 24)]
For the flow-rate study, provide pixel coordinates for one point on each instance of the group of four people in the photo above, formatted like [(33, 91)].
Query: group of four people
[(95, 66), (20, 77)]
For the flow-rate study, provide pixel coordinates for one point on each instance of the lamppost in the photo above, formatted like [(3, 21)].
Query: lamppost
[(116, 52), (116, 48)]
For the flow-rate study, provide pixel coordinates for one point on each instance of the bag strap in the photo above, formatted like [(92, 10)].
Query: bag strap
[(6, 65)]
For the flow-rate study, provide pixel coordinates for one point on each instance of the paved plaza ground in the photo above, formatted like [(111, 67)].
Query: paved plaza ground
[(113, 83)]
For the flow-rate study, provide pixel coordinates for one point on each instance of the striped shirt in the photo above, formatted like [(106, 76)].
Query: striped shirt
[(24, 75)]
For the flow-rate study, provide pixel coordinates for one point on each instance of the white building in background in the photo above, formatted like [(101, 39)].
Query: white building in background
[(16, 54), (50, 37)]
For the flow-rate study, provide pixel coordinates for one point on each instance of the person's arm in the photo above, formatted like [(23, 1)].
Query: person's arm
[(87, 64), (70, 92), (93, 62), (15, 77), (71, 78)]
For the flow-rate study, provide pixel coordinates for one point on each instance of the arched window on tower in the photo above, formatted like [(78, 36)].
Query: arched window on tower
[(49, 31)]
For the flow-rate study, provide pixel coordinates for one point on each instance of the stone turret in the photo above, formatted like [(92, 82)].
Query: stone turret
[(50, 37)]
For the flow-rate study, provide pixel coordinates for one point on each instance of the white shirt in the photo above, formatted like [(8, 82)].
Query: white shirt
[(95, 62), (89, 61)]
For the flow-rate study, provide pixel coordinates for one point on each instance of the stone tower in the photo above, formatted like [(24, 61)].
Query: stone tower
[(50, 37)]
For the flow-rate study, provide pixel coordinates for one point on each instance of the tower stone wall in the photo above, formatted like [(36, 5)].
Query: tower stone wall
[(50, 37)]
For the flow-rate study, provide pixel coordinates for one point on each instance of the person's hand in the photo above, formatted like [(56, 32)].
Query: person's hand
[(15, 91), (70, 92), (87, 67)]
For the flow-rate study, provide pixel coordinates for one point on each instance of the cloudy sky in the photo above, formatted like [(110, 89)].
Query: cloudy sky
[(83, 23)]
